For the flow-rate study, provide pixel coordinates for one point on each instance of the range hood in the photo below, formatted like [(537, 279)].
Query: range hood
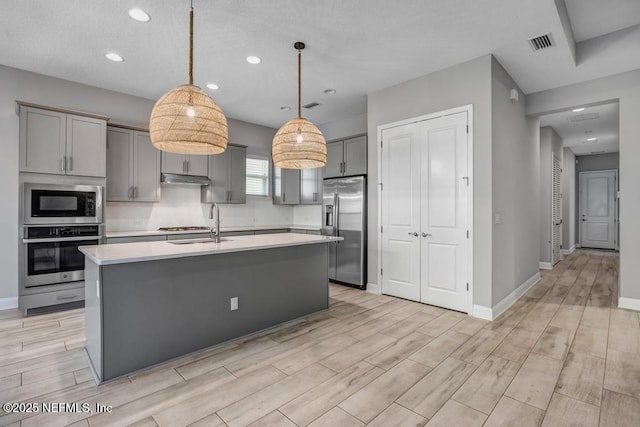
[(174, 178)]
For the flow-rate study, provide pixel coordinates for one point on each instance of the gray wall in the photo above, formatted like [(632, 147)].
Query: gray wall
[(515, 187), (349, 126), (624, 87), (550, 147), (568, 199), (592, 162), (467, 83), (39, 89)]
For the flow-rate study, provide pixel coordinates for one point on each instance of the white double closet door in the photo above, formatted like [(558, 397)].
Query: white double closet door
[(425, 212)]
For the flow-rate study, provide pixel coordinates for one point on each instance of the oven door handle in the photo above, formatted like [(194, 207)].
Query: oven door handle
[(63, 239)]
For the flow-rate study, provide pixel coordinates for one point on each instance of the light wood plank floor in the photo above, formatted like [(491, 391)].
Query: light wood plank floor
[(561, 355)]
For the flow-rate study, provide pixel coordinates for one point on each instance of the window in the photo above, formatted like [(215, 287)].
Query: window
[(257, 176)]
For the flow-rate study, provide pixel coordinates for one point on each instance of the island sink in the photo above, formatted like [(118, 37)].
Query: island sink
[(192, 241)]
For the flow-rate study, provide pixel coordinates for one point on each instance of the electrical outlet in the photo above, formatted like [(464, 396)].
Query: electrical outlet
[(234, 303)]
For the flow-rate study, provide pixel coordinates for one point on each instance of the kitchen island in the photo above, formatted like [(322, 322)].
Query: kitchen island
[(150, 302)]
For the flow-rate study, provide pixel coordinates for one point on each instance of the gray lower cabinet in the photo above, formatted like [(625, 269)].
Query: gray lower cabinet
[(311, 186), (227, 172), (346, 158), (133, 166), (286, 186), (60, 143), (184, 164)]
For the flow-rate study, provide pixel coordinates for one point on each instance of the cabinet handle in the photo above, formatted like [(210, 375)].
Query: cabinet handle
[(70, 163), (188, 165), (62, 164), (284, 197), (130, 193), (135, 192), (228, 195)]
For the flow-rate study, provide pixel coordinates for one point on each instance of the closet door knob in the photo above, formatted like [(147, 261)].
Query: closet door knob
[(426, 235), (414, 234)]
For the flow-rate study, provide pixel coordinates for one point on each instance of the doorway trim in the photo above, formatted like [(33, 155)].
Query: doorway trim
[(616, 199), (469, 110)]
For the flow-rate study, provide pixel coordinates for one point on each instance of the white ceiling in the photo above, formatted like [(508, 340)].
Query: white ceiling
[(595, 18), (576, 128), (356, 46)]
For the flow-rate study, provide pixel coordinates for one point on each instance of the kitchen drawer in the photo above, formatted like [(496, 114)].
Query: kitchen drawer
[(44, 299), (132, 239)]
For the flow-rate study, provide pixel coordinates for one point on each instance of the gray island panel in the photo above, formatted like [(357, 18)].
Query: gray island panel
[(153, 311)]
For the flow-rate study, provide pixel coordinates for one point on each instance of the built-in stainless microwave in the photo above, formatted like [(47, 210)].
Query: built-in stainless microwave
[(62, 204)]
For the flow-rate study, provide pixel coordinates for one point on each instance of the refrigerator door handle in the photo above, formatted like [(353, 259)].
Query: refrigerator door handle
[(336, 203)]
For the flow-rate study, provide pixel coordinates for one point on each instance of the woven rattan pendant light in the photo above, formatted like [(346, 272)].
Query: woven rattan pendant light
[(186, 120), (299, 144)]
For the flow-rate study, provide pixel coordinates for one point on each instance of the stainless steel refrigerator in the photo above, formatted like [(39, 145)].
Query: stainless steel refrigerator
[(344, 214)]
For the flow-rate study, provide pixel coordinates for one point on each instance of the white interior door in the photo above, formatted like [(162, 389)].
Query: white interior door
[(556, 212), (400, 195), (444, 212), (597, 209)]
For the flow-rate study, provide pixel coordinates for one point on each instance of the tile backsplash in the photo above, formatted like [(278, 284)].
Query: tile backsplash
[(180, 206)]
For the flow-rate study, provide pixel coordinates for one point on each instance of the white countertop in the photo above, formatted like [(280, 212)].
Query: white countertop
[(122, 253), (134, 233)]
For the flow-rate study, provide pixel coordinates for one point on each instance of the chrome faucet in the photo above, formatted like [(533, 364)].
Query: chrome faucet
[(216, 236)]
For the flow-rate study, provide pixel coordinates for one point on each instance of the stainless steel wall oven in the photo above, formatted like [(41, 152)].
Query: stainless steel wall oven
[(56, 220)]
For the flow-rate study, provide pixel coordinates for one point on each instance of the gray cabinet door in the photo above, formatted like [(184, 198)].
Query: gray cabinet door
[(355, 156), (196, 165), (237, 161), (42, 140), (174, 163), (146, 169), (86, 146), (310, 186), (333, 167), (218, 173), (290, 187), (119, 164)]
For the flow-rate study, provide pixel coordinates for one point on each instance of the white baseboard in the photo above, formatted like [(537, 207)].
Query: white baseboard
[(569, 251), (546, 266), (374, 288), (507, 301), (481, 312), (8, 303), (487, 313), (629, 303)]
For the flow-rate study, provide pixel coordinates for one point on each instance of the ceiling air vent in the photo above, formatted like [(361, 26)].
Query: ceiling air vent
[(541, 42), (310, 105), (583, 117)]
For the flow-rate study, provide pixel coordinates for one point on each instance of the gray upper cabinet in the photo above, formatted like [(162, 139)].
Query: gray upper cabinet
[(227, 172), (346, 158), (335, 155), (184, 164), (286, 186), (60, 143), (133, 166), (311, 186)]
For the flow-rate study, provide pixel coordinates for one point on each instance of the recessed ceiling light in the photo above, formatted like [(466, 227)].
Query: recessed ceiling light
[(285, 108), (591, 139), (253, 60), (213, 86), (577, 110), (329, 91), (114, 57), (139, 15)]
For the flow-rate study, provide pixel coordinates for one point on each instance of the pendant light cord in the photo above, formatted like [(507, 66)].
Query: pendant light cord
[(191, 45), (299, 83)]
